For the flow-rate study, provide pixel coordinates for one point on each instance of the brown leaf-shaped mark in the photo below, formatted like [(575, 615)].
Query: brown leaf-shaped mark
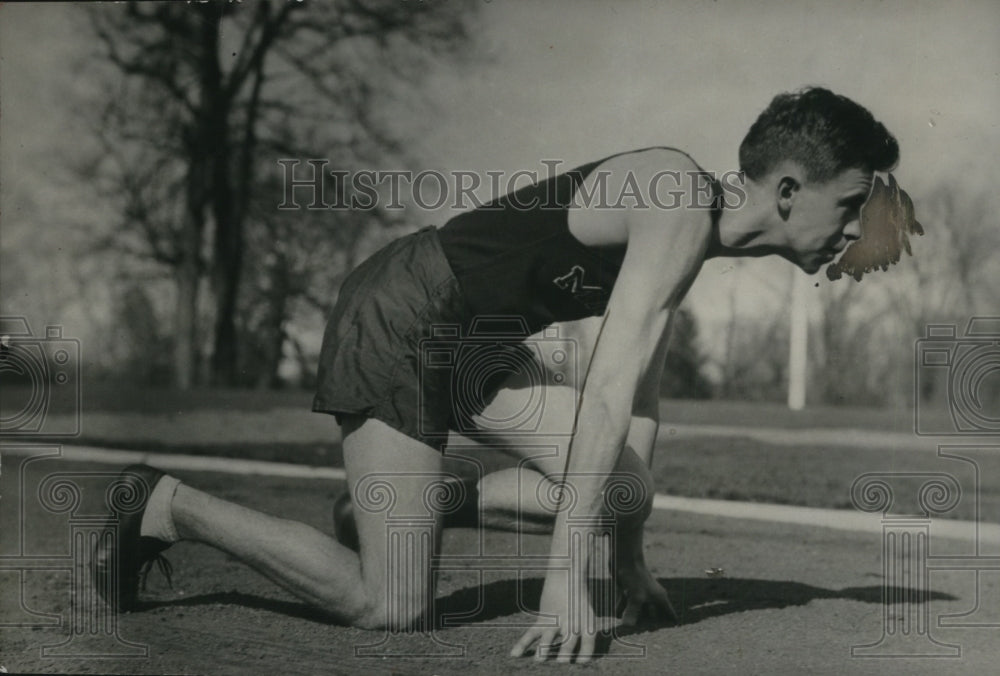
[(887, 221)]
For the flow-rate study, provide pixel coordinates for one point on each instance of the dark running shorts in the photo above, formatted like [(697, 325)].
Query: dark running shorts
[(370, 361)]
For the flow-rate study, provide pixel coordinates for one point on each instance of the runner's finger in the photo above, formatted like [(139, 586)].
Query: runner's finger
[(631, 615), (664, 606), (525, 642), (568, 646), (545, 644), (587, 645)]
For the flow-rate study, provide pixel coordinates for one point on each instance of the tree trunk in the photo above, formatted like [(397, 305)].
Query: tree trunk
[(216, 109), (274, 334), (227, 271), (185, 349)]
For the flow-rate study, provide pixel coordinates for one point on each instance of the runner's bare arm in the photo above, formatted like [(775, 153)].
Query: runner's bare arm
[(646, 406), (664, 252)]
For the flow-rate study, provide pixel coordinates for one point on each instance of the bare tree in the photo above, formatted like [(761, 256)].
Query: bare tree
[(754, 359), (846, 368), (200, 99), (867, 331)]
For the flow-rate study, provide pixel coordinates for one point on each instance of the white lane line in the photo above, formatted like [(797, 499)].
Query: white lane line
[(867, 440), (839, 519), (203, 463)]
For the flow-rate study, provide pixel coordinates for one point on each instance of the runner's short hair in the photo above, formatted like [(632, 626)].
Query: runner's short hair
[(824, 132)]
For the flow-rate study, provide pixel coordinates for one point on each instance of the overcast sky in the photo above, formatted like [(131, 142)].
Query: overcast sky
[(580, 80), (576, 80)]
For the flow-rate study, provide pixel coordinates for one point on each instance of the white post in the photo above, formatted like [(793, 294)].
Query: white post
[(798, 338)]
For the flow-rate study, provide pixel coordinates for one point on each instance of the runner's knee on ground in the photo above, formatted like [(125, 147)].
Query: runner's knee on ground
[(399, 494)]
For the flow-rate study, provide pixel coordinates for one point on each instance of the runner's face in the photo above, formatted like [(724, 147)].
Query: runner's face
[(825, 218)]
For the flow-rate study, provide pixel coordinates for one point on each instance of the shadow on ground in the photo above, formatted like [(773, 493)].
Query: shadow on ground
[(694, 599)]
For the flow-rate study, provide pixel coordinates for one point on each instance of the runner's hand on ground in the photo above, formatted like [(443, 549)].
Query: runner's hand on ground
[(642, 594), (575, 632)]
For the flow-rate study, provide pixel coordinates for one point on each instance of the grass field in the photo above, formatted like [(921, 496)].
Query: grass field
[(105, 398), (278, 426)]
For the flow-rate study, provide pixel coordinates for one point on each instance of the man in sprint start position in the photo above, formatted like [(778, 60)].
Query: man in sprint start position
[(607, 279)]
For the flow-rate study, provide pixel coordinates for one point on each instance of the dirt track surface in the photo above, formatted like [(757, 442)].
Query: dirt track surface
[(792, 599)]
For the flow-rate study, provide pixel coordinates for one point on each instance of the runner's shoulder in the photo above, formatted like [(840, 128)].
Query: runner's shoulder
[(661, 177), (646, 189), (647, 164)]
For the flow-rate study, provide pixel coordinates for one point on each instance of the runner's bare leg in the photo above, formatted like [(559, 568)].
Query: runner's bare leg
[(314, 566)]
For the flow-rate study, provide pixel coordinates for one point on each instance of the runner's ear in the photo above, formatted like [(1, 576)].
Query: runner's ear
[(787, 189)]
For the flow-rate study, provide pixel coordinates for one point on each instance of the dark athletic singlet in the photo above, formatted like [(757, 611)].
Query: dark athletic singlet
[(517, 256)]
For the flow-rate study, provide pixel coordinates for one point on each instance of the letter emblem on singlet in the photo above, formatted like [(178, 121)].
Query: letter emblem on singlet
[(593, 298), (572, 281)]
